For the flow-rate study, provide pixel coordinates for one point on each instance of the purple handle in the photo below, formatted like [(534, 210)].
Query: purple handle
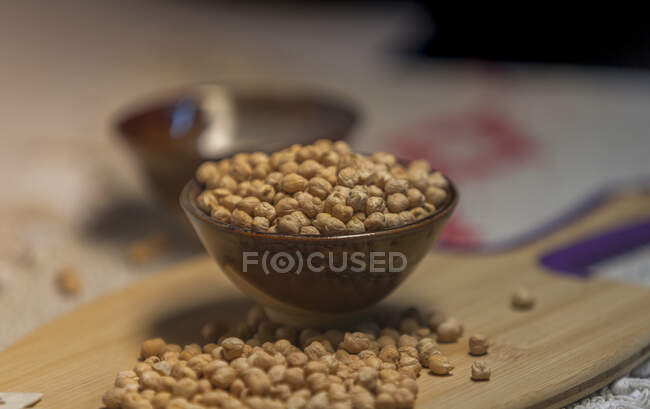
[(577, 258)]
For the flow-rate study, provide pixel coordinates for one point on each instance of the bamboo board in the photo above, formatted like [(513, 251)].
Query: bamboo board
[(581, 335)]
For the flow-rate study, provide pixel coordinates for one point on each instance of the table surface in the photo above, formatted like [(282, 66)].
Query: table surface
[(67, 183)]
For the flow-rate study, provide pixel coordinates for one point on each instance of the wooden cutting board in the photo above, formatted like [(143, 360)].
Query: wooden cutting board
[(581, 335)]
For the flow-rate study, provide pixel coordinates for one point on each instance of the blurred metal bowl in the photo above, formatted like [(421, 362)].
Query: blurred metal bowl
[(172, 133)]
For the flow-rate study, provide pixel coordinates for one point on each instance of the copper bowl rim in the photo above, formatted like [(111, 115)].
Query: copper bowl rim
[(192, 189)]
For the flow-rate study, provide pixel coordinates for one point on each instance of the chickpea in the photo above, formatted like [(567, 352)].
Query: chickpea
[(289, 224), (435, 195), (331, 158), (286, 206), (348, 177), (392, 220), (522, 299), (242, 219), (394, 186), (257, 381), (437, 179), (375, 204), (247, 204), (319, 187), (309, 168), (207, 201), (440, 365), (261, 223), (152, 347), (274, 179), (375, 221), (480, 371), (264, 209), (208, 174), (478, 344), (355, 225), (449, 331), (342, 212), (309, 230), (288, 167), (357, 199), (292, 183)]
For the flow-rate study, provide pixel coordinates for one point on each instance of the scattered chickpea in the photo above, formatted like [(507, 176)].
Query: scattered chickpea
[(478, 344), (522, 299), (68, 281), (450, 330), (440, 365), (151, 347), (480, 371)]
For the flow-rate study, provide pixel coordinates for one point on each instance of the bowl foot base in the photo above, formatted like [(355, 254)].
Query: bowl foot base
[(310, 319)]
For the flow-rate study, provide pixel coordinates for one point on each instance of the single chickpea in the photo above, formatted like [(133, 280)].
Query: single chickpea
[(288, 167), (207, 201), (279, 196), (480, 371), (319, 187), (440, 365), (229, 183), (522, 299), (232, 348), (357, 199), (361, 398), (375, 221), (348, 177), (257, 381), (286, 206), (297, 359), (478, 344), (240, 170), (375, 204), (342, 212), (309, 230), (261, 223), (208, 174), (247, 204), (384, 158), (230, 202), (355, 342), (435, 195), (264, 209), (309, 168), (330, 158), (449, 331), (241, 218), (309, 204), (260, 171), (341, 147), (186, 387), (394, 186), (330, 225), (301, 218), (221, 214), (418, 178), (392, 220), (415, 197), (289, 224), (265, 193), (355, 225), (418, 213), (367, 378), (152, 347), (404, 398), (292, 183), (257, 158), (307, 153)]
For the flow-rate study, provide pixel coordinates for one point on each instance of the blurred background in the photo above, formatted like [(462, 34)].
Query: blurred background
[(532, 116)]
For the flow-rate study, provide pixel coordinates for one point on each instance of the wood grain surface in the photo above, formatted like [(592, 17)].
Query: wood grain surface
[(580, 336)]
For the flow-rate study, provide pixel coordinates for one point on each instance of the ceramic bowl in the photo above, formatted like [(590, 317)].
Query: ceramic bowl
[(322, 291), (165, 131)]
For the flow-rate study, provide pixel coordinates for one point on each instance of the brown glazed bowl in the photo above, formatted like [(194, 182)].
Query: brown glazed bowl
[(164, 131), (293, 293)]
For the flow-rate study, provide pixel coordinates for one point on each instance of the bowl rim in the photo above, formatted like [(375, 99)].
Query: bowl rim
[(192, 189)]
